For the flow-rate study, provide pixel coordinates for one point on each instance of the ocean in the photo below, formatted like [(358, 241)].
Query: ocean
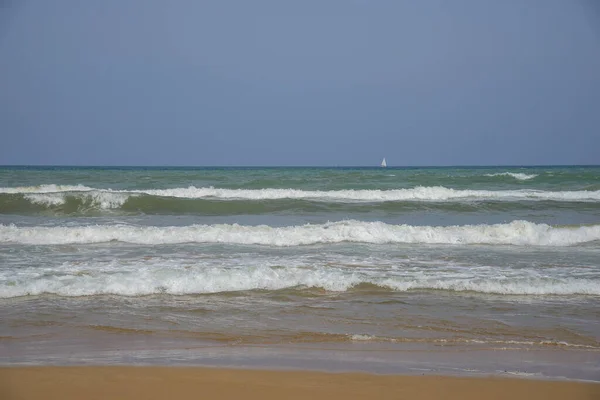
[(468, 269)]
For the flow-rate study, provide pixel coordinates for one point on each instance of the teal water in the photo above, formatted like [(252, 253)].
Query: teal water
[(309, 178), (485, 258), (556, 195)]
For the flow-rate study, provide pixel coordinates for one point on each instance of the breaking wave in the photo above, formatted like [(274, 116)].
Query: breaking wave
[(56, 195), (156, 279), (52, 188), (518, 233), (517, 175)]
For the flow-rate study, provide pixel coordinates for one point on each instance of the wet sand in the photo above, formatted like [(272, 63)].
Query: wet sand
[(187, 383)]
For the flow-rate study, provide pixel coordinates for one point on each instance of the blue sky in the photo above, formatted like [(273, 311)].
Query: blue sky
[(123, 82)]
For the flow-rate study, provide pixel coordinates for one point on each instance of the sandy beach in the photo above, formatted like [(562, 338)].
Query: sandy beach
[(183, 383)]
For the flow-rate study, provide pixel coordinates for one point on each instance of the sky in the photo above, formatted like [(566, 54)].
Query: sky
[(312, 82)]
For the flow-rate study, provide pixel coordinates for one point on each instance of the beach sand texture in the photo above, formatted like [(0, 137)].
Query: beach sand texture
[(204, 383)]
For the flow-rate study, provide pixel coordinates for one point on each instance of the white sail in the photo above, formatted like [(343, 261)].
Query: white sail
[(383, 163)]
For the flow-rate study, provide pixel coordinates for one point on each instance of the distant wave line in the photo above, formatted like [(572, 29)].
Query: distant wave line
[(110, 198), (517, 175)]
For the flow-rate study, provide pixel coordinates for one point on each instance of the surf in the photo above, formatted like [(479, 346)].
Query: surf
[(517, 175), (109, 198), (516, 233), (188, 278)]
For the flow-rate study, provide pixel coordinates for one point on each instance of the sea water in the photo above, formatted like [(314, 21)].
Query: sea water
[(401, 266)]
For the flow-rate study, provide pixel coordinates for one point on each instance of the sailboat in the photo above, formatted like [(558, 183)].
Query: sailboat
[(383, 163)]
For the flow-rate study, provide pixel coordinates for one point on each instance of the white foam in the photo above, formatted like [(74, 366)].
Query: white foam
[(98, 199), (519, 286), (52, 188), (517, 175), (420, 193), (138, 279), (46, 199), (459, 340), (367, 338), (519, 233)]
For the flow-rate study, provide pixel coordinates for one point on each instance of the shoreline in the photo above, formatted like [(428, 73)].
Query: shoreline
[(149, 382), (97, 349)]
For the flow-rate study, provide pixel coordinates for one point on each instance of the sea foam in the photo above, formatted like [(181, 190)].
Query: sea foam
[(109, 198), (150, 279), (519, 233), (517, 175), (51, 188)]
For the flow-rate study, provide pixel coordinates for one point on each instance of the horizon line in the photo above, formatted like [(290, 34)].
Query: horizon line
[(296, 166)]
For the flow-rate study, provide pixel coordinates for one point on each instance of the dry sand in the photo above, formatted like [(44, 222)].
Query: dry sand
[(205, 383)]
